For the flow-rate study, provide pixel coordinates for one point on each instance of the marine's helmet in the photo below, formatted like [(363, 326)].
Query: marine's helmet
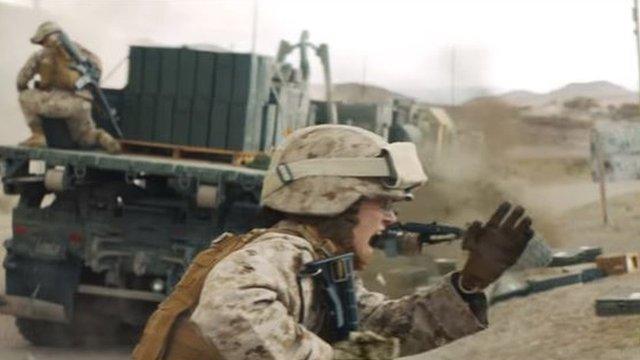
[(323, 170), (45, 29)]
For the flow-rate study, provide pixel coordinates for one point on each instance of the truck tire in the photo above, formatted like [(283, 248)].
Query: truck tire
[(46, 333), (90, 328)]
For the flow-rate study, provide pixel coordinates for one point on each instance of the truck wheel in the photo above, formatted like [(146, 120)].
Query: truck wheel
[(46, 333)]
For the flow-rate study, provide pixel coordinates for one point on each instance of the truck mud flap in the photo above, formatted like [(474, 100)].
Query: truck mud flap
[(25, 307)]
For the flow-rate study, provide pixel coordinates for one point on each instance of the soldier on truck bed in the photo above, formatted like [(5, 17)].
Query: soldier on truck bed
[(55, 94), (288, 292)]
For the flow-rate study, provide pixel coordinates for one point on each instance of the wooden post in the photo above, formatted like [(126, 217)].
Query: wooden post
[(439, 140), (601, 177), (636, 31)]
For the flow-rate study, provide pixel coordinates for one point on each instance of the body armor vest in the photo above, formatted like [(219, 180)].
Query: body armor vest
[(55, 72)]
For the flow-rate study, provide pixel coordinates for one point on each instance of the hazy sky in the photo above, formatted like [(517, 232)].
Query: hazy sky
[(404, 45)]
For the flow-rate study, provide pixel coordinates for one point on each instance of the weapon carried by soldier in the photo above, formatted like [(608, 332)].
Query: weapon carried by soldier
[(392, 239), (90, 80), (335, 276)]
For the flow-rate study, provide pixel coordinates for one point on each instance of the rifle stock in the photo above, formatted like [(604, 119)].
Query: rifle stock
[(90, 80)]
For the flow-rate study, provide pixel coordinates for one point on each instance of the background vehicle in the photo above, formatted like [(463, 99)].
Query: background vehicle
[(99, 239)]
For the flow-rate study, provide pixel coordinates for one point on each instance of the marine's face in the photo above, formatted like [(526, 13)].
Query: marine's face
[(50, 40), (373, 217)]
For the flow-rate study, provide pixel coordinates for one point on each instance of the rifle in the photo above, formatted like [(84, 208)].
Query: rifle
[(90, 79), (428, 234), (335, 276)]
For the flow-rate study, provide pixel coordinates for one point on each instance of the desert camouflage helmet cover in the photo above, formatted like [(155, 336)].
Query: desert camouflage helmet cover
[(322, 170), (46, 28)]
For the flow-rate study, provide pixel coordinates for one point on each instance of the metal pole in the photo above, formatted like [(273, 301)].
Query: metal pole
[(254, 29), (637, 35), (601, 178), (364, 77), (453, 75)]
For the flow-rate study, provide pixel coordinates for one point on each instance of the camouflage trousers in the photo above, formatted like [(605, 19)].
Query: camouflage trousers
[(74, 108)]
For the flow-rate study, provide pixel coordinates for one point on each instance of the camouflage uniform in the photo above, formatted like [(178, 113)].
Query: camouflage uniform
[(55, 95), (253, 304), (253, 307)]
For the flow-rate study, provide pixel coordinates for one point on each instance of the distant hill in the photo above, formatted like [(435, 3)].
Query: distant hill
[(602, 91), (353, 92)]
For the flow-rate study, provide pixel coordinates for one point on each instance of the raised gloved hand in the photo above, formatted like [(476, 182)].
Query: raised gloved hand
[(366, 345), (494, 246)]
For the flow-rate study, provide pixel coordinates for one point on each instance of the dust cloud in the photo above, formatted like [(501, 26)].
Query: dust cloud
[(470, 180)]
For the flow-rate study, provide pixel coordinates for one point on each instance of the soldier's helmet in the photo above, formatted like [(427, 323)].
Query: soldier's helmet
[(45, 29), (323, 170)]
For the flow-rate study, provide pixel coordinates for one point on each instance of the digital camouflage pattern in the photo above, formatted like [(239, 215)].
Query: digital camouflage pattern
[(366, 345), (324, 195), (252, 307), (55, 96), (53, 63), (46, 28), (75, 109)]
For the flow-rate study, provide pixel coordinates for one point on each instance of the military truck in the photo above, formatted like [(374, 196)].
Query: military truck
[(98, 240)]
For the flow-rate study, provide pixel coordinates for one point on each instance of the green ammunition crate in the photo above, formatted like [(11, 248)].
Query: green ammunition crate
[(205, 66), (181, 120), (146, 118), (200, 98), (164, 119), (187, 62), (151, 71), (223, 77), (244, 77), (218, 119), (130, 112), (136, 64), (199, 129), (169, 71)]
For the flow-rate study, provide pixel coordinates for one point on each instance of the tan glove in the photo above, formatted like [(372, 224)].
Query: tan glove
[(366, 345), (495, 246)]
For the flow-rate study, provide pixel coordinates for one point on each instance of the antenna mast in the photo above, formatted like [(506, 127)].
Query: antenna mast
[(636, 32), (453, 75)]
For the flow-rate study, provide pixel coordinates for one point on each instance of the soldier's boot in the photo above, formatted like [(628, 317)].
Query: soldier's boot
[(111, 145), (37, 138)]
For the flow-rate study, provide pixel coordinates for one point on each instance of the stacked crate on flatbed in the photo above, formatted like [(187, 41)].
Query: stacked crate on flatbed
[(185, 96)]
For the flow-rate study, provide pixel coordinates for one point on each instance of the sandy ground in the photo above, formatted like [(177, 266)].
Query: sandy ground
[(561, 323), (558, 324)]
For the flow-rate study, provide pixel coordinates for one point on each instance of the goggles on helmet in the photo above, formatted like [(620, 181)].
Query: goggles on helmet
[(397, 166)]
